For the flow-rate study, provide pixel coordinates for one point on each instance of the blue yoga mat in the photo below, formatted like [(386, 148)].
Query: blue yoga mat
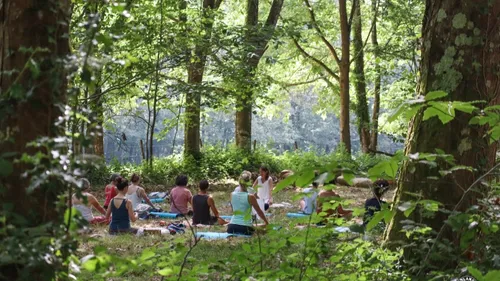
[(156, 200), (297, 215), (229, 217), (218, 235), (166, 215)]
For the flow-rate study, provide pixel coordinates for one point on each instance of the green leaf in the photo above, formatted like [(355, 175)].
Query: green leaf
[(475, 273), (435, 95), (285, 183), (147, 254), (492, 276), (305, 178), (443, 112), (378, 217), (464, 106), (91, 264), (348, 177), (166, 271)]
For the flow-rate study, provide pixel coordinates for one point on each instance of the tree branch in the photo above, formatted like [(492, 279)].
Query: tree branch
[(320, 33), (351, 16), (368, 36), (320, 63)]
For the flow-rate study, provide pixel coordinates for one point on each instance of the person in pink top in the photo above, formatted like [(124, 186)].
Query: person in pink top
[(180, 197)]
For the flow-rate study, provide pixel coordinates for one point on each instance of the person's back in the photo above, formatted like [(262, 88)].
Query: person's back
[(133, 196), (180, 196), (201, 210), (119, 215), (84, 209), (241, 209), (375, 203), (110, 190)]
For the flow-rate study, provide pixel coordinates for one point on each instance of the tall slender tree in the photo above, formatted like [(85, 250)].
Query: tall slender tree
[(342, 62), (256, 42), (467, 70), (359, 79), (377, 82)]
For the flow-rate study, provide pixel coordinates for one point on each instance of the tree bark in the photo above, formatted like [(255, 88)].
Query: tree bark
[(195, 78), (466, 70), (257, 39), (345, 131), (377, 83), (29, 109), (98, 109), (359, 80)]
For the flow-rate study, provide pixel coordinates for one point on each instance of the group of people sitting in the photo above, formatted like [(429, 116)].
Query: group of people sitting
[(124, 200)]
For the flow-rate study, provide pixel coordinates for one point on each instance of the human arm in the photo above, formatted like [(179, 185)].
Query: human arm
[(211, 203), (145, 197), (94, 203), (131, 214), (271, 187), (253, 201), (108, 211)]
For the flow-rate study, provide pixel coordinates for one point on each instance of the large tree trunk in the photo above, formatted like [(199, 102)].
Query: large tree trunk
[(359, 81), (345, 131), (29, 110), (257, 39), (196, 70), (448, 64)]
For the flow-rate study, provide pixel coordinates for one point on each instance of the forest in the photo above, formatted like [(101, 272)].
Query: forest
[(319, 140)]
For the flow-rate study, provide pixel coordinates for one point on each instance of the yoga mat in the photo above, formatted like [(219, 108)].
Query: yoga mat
[(166, 215), (297, 215), (229, 217), (218, 235), (342, 229), (156, 200)]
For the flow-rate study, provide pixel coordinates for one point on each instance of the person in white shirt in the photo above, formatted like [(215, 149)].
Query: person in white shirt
[(265, 186)]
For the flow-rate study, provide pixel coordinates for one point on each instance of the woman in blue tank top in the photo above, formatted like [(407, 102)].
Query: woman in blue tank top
[(121, 210), (242, 202)]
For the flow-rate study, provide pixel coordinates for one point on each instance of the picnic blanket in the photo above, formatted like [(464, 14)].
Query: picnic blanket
[(165, 215), (218, 235)]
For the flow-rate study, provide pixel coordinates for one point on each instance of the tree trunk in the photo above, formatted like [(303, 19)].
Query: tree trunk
[(378, 82), (359, 80), (28, 111), (345, 131), (448, 64), (195, 79), (256, 40), (99, 128)]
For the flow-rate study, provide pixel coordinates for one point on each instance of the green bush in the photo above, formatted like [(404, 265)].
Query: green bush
[(218, 163)]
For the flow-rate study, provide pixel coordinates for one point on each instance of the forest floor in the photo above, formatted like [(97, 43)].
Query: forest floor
[(131, 246)]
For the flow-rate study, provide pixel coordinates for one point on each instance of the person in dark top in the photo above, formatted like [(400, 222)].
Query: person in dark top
[(121, 210), (374, 204), (202, 204)]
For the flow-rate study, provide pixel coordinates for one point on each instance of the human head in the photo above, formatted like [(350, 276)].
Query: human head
[(114, 177), (204, 185), (135, 178), (121, 184), (85, 184), (245, 180), (380, 187), (181, 180), (264, 172)]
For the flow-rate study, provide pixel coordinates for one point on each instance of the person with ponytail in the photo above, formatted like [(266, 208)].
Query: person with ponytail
[(242, 203), (121, 210), (136, 193)]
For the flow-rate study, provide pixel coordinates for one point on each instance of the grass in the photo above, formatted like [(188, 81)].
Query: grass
[(219, 251)]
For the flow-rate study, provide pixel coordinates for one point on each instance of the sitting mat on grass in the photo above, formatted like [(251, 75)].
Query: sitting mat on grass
[(218, 235), (297, 215), (156, 200), (165, 215), (229, 217)]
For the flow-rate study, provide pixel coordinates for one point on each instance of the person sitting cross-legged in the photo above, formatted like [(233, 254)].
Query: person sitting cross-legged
[(122, 210), (86, 202), (180, 197), (375, 203), (202, 204), (242, 203)]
